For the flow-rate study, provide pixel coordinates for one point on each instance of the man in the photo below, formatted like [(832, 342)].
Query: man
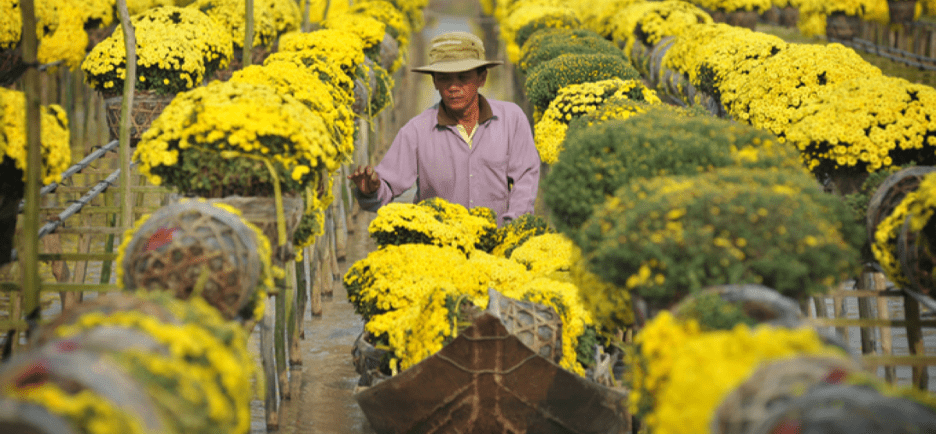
[(467, 149)]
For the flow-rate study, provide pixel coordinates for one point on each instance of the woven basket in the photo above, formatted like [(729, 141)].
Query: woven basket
[(841, 26), (147, 106), (261, 212), (180, 242), (106, 304), (917, 256), (539, 327), (901, 11), (789, 16), (771, 387), (890, 193), (760, 303)]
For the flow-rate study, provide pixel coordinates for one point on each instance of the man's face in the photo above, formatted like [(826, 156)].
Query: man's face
[(459, 89)]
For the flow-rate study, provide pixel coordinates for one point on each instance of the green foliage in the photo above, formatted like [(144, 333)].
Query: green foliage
[(546, 22), (489, 239), (549, 43), (598, 160), (714, 312), (544, 82), (670, 236), (518, 231), (585, 351), (208, 174)]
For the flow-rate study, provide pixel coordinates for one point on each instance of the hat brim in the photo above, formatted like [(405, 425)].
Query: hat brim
[(456, 66)]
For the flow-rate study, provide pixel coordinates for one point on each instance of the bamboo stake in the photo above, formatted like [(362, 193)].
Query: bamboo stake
[(887, 337), (126, 203), (246, 59), (32, 91), (915, 341), (864, 312)]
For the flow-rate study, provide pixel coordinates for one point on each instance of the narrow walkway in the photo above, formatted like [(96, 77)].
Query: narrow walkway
[(323, 385)]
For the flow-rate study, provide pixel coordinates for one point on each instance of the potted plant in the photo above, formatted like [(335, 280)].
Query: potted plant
[(239, 139), (176, 49)]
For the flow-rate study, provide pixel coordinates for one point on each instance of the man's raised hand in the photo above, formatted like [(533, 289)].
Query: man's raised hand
[(366, 179)]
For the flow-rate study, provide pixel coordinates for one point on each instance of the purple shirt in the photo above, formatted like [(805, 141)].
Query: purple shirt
[(429, 151)]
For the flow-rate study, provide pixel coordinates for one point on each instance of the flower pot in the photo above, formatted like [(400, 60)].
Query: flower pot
[(147, 106), (742, 18), (789, 16), (772, 16), (901, 11), (179, 243), (261, 212), (841, 26)]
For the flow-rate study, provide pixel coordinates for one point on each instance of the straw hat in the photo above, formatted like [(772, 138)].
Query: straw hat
[(455, 52)]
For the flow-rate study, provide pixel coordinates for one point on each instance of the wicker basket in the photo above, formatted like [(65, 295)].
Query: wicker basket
[(901, 11), (771, 387), (106, 304), (261, 212), (147, 106), (841, 26), (789, 16), (917, 256), (180, 242), (890, 193), (539, 327), (760, 303)]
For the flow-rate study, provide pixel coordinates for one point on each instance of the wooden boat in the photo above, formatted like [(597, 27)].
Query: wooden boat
[(488, 381)]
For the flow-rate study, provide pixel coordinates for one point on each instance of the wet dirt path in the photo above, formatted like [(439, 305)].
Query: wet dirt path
[(323, 386)]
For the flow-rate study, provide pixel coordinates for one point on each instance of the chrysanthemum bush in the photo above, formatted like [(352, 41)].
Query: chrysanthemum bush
[(230, 15), (576, 100), (813, 13), (230, 138), (341, 46), (601, 17), (176, 49), (708, 54), (369, 29), (432, 221), (292, 78), (54, 137), (11, 27), (533, 15), (865, 124), (514, 233), (87, 410), (67, 42), (410, 304), (322, 65), (544, 82), (397, 25), (734, 5), (679, 374), (204, 351), (598, 160), (669, 236), (649, 22), (769, 95), (549, 43), (914, 215)]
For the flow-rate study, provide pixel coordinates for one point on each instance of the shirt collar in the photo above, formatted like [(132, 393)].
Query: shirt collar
[(444, 119)]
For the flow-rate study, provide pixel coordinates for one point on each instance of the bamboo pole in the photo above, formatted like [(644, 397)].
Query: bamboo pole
[(864, 312), (887, 337), (32, 91), (126, 200), (247, 57), (915, 341)]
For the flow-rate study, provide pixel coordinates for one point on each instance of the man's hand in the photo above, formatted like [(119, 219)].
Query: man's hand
[(366, 179)]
